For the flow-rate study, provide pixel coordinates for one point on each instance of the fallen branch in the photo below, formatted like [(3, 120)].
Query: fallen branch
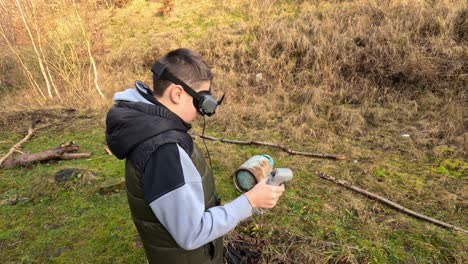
[(275, 145), (64, 151), (13, 200), (17, 145), (389, 203)]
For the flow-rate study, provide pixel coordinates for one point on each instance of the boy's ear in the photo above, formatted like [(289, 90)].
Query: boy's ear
[(175, 93)]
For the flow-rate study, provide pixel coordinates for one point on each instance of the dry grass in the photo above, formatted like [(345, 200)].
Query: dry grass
[(336, 62)]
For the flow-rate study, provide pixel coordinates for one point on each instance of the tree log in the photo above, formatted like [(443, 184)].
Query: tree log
[(64, 151), (17, 145), (390, 203), (275, 145)]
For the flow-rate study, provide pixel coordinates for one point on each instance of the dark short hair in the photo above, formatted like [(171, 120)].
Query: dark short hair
[(186, 65)]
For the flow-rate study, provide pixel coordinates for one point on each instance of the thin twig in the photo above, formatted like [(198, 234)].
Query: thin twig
[(19, 151), (108, 151), (389, 203), (17, 145), (275, 145)]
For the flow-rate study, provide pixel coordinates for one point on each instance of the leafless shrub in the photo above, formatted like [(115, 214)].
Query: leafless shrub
[(121, 3), (460, 25), (167, 6)]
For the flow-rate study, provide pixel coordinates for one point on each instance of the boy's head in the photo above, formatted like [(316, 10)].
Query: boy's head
[(190, 68)]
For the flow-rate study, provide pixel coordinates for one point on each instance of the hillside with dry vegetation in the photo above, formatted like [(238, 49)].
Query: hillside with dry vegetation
[(382, 82)]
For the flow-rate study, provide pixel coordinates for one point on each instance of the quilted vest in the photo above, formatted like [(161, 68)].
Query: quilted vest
[(159, 245)]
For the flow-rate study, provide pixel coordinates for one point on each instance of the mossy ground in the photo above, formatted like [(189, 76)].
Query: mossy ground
[(65, 223), (315, 220)]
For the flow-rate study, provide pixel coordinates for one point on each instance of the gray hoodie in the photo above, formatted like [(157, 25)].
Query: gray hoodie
[(172, 185)]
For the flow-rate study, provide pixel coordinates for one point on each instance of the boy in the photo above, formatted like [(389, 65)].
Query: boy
[(170, 188)]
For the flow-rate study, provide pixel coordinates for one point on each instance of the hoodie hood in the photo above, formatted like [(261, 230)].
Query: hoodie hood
[(134, 119), (135, 94)]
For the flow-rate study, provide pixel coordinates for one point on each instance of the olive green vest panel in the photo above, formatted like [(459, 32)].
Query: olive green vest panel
[(159, 245)]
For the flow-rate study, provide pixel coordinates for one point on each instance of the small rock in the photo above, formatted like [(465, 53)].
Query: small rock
[(355, 161), (259, 77), (69, 174), (137, 243), (112, 185)]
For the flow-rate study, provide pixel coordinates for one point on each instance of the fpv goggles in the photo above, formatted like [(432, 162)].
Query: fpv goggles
[(204, 101)]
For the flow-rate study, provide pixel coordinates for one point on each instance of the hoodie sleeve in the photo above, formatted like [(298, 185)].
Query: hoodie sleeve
[(173, 189)]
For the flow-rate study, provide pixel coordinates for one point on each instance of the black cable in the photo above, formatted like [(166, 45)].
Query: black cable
[(204, 143)]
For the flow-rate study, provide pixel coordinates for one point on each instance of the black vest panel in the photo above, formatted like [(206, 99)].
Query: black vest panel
[(159, 245)]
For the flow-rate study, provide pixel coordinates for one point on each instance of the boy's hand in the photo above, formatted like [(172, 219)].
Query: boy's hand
[(263, 195)]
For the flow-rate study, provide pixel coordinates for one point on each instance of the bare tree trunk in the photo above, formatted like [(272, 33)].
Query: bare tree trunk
[(39, 58), (29, 75), (91, 58), (70, 70), (42, 52)]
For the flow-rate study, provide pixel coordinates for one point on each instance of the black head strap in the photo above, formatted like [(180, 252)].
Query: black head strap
[(161, 72)]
